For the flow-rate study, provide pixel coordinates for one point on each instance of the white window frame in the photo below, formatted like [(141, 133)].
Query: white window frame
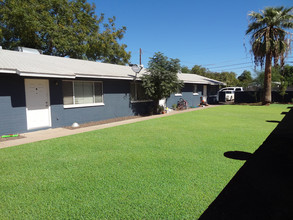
[(84, 105), (195, 89), (135, 93)]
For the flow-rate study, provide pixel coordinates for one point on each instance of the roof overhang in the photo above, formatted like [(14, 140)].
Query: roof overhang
[(93, 76), (9, 71), (64, 76), (194, 82), (46, 75)]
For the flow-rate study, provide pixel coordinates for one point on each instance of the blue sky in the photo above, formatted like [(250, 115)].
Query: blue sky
[(209, 33)]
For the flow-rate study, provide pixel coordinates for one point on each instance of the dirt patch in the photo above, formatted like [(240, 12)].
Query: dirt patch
[(11, 138), (93, 123)]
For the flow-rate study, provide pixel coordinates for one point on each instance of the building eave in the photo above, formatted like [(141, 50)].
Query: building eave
[(45, 75)]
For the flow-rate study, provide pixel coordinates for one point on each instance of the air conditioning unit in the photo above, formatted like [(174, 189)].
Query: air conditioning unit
[(28, 50)]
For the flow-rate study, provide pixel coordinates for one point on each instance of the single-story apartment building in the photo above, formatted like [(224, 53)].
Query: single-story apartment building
[(40, 91)]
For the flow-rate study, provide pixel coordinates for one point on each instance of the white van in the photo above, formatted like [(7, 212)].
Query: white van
[(229, 92)]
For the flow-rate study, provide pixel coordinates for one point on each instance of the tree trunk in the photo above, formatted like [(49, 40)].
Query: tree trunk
[(156, 106), (267, 96)]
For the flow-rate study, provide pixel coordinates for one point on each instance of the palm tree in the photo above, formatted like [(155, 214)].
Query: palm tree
[(270, 39)]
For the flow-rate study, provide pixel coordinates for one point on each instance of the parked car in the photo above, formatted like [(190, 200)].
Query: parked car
[(229, 93)]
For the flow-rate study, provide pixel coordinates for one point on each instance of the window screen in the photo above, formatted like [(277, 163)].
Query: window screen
[(67, 92), (194, 88), (82, 92), (98, 92), (137, 92)]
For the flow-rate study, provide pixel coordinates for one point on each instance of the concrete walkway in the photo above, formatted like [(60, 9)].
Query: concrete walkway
[(60, 132)]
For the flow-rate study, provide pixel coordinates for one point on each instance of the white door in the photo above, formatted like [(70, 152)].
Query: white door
[(37, 103), (205, 93)]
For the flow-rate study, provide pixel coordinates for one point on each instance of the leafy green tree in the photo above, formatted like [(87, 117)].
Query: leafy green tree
[(185, 69), (269, 40), (61, 28), (282, 77), (245, 79), (199, 70), (161, 80), (275, 76), (288, 74), (258, 80), (285, 77), (229, 78)]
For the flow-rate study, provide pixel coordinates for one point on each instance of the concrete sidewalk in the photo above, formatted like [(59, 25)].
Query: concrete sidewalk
[(60, 132)]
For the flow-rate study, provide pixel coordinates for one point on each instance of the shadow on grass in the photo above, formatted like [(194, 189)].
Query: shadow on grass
[(273, 121), (238, 155), (263, 186)]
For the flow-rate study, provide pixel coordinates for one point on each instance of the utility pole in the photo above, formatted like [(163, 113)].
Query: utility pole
[(139, 56)]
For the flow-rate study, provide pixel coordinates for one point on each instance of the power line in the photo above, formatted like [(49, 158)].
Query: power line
[(214, 64), (228, 67), (226, 61), (243, 67), (237, 64), (192, 62)]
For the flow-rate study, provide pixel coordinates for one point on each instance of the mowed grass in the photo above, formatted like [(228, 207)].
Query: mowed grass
[(167, 168)]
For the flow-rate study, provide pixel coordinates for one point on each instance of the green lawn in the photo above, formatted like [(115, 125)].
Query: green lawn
[(171, 167)]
